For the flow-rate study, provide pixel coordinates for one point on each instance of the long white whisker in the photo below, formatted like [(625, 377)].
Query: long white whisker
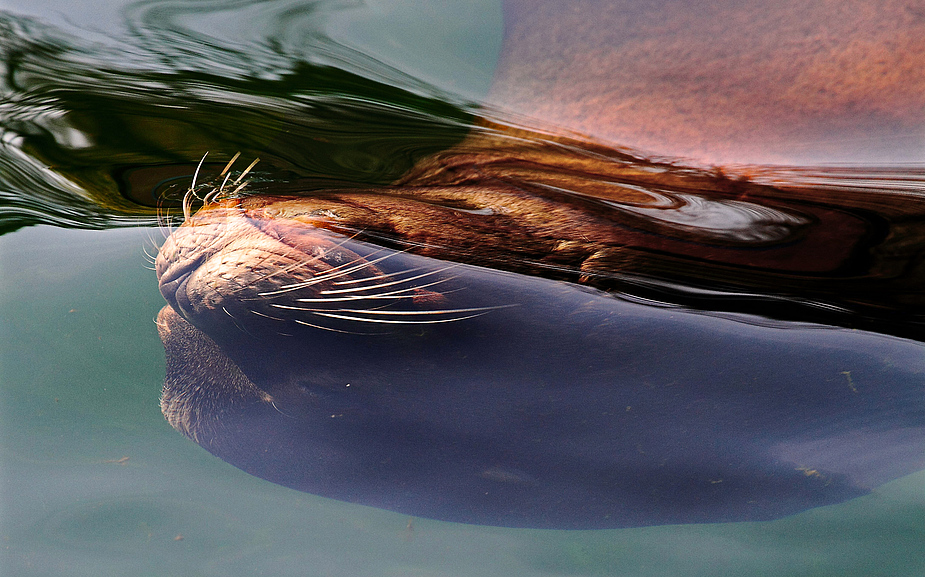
[(214, 194), (333, 273), (399, 322), (187, 198), (278, 271), (267, 316), (163, 223), (409, 313), (386, 284), (344, 300), (196, 173), (186, 204), (339, 271), (144, 249), (238, 189), (298, 263), (165, 226), (385, 295), (376, 278), (273, 404)]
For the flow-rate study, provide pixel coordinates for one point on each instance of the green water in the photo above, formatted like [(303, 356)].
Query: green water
[(95, 483)]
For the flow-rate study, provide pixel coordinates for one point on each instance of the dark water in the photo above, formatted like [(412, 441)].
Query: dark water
[(104, 109)]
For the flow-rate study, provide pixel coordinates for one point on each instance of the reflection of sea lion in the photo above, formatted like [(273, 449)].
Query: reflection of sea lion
[(724, 80), (448, 391)]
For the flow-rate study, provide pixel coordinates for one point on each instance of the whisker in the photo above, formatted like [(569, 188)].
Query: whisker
[(196, 173), (376, 278), (210, 197), (347, 299), (433, 312), (238, 189), (152, 243), (340, 271), (266, 316), (163, 222), (333, 330), (235, 322), (187, 198), (246, 170), (278, 271), (333, 273), (299, 285), (386, 284), (298, 263), (186, 205), (230, 162), (273, 404), (144, 249), (409, 313), (163, 226), (400, 322), (384, 295), (278, 268)]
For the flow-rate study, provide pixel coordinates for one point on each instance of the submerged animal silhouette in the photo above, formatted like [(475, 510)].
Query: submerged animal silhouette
[(460, 393)]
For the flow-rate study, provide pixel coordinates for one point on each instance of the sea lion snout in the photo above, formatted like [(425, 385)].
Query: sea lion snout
[(220, 260), (225, 264)]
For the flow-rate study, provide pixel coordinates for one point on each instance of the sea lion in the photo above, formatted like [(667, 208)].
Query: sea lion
[(315, 341), (814, 245), (442, 390)]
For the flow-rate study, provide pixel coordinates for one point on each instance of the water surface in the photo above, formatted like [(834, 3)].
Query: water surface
[(105, 111)]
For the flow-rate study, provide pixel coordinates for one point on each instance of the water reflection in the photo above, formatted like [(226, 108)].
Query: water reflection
[(95, 112), (726, 80)]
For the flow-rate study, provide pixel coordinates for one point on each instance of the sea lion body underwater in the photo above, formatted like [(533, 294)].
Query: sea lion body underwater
[(313, 342), (455, 392)]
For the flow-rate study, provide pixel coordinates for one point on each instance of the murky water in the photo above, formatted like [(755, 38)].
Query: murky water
[(104, 115)]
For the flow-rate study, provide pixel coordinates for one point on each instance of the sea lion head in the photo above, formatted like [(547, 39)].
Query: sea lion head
[(284, 267)]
